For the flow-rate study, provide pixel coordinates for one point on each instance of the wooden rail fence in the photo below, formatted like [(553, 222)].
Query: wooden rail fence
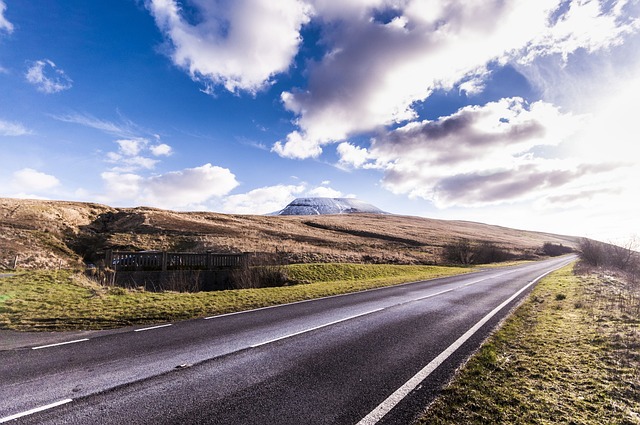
[(172, 271), (164, 261)]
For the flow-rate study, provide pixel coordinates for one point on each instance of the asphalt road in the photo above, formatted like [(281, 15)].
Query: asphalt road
[(377, 356)]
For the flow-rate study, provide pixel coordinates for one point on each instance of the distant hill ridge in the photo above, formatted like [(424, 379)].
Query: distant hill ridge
[(322, 206), (59, 234)]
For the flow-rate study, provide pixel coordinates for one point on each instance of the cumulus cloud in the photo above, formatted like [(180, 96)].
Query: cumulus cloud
[(8, 128), (297, 147), (239, 44), (263, 200), (161, 149), (5, 25), (375, 70), (269, 199), (30, 180), (121, 186), (130, 154), (175, 190), (47, 77), (589, 25), (479, 155), (325, 192)]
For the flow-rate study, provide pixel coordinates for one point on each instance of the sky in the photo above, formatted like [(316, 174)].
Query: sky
[(517, 113)]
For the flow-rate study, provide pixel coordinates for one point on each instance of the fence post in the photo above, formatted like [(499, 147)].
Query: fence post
[(164, 261), (108, 258)]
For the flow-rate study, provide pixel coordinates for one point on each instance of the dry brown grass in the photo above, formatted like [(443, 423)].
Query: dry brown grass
[(568, 355), (42, 234)]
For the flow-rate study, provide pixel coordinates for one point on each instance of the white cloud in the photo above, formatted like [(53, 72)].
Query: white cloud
[(240, 44), (121, 187), (132, 146), (4, 23), (128, 158), (479, 155), (263, 200), (28, 180), (173, 190), (47, 77), (325, 192), (161, 149), (374, 72), (297, 146), (270, 199), (8, 128), (352, 156), (591, 25), (125, 129)]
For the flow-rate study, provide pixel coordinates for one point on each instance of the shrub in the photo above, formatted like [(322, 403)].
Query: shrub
[(260, 271), (616, 257), (465, 252), (554, 250)]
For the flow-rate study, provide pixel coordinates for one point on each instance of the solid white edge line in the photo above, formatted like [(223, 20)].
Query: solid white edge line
[(152, 327), (36, 410), (59, 343), (385, 407), (314, 328)]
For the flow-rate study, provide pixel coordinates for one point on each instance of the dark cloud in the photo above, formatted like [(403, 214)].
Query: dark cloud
[(467, 134), (510, 185)]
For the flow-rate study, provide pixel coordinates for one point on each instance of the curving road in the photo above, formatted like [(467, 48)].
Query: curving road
[(371, 357)]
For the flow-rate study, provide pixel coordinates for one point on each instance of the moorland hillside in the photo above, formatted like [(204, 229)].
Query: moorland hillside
[(60, 234)]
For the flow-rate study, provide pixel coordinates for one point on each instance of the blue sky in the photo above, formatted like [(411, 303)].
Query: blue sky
[(511, 112)]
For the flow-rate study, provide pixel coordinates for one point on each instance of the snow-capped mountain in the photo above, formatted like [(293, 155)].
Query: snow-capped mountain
[(316, 206)]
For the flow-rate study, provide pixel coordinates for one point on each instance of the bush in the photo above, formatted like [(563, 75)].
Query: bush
[(553, 250), (622, 258), (258, 277), (261, 270), (459, 252), (465, 252)]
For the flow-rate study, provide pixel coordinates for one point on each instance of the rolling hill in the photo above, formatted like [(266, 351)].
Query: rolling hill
[(52, 234)]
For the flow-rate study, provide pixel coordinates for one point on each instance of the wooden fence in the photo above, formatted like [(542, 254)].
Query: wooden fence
[(173, 271), (165, 261)]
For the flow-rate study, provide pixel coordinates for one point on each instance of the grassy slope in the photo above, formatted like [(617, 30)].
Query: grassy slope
[(568, 355), (63, 300)]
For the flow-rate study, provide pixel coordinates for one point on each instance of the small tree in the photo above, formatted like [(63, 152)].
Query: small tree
[(592, 252), (623, 257), (459, 252)]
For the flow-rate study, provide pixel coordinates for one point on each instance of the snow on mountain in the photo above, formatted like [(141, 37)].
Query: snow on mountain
[(317, 206)]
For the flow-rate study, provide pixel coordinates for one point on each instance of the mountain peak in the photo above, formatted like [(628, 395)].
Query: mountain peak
[(319, 206)]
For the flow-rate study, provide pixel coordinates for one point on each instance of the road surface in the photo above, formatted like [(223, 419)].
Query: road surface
[(376, 356)]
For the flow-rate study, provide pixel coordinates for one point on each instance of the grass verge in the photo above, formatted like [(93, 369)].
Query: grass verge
[(569, 354), (63, 300)]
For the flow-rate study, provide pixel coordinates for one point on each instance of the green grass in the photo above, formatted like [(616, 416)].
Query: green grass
[(63, 300), (555, 361)]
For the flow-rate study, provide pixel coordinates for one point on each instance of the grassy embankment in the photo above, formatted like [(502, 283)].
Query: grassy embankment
[(65, 300), (570, 354)]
